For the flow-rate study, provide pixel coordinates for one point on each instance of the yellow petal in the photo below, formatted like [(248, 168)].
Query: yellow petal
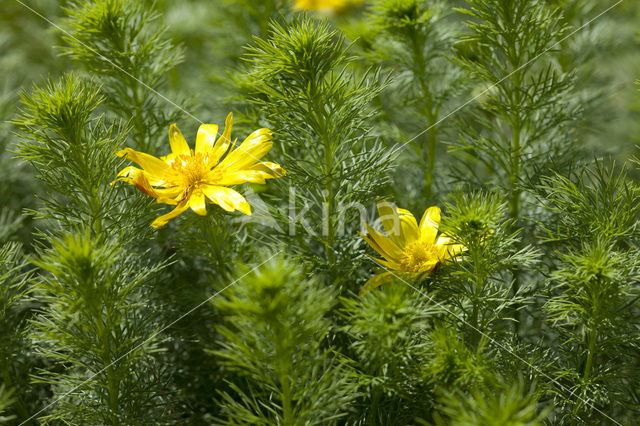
[(256, 174), (179, 145), (126, 174), (393, 252), (374, 246), (136, 177), (169, 200), (222, 144), (400, 225), (427, 267), (429, 225), (377, 281), (390, 221), (249, 152), (162, 220), (273, 169), (141, 180), (448, 250), (386, 264), (227, 198), (197, 203), (206, 138), (152, 165), (409, 226)]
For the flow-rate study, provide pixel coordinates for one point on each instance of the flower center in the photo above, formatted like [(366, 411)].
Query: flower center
[(191, 168), (419, 257)]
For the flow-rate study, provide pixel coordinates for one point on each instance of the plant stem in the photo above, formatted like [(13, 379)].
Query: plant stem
[(432, 134), (328, 150), (593, 336), (419, 66), (286, 399), (114, 402), (515, 191), (139, 124), (478, 290)]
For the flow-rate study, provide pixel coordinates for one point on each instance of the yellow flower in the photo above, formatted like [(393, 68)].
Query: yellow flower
[(186, 178), (325, 5), (409, 248)]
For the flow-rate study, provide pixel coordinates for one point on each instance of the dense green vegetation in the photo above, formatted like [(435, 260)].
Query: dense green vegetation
[(513, 124)]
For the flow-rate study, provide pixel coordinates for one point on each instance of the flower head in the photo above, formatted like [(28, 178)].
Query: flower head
[(408, 248), (187, 178), (327, 6)]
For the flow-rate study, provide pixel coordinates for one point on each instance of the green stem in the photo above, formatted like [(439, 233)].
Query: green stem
[(113, 383), (419, 66), (515, 191), (114, 400), (327, 145), (515, 214), (374, 410), (431, 157), (283, 366), (139, 124), (474, 322), (328, 213), (593, 336), (514, 205), (478, 290), (286, 399)]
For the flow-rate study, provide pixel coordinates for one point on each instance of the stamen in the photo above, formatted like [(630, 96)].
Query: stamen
[(418, 257)]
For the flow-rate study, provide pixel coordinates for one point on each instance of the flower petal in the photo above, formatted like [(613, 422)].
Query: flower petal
[(162, 220), (374, 246), (256, 174), (126, 174), (393, 252), (227, 198), (249, 152), (141, 180), (400, 225), (392, 265), (390, 221), (448, 250), (376, 281), (154, 166), (222, 144), (197, 202), (429, 225), (273, 169), (409, 226), (179, 145), (427, 267), (206, 138)]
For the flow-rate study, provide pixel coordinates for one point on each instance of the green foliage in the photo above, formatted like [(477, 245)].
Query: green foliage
[(72, 150), (386, 331), (511, 406), (478, 283), (523, 112), (14, 310), (412, 39), (300, 83), (118, 41), (274, 335), (598, 202), (95, 328), (106, 321), (6, 400), (92, 326), (594, 290), (453, 365)]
